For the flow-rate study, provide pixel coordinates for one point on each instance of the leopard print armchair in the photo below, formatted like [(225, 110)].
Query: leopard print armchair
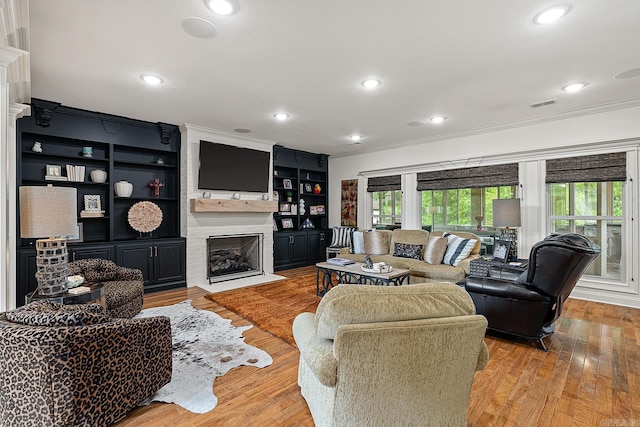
[(73, 365), (123, 287)]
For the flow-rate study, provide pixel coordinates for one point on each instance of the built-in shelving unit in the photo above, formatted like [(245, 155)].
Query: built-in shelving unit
[(301, 236), (127, 150)]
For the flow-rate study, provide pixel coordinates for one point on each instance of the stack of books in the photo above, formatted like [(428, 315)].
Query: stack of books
[(75, 173), (340, 261), (91, 214)]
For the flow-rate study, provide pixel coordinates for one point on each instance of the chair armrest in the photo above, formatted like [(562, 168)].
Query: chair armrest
[(125, 273), (508, 274), (502, 288), (317, 352)]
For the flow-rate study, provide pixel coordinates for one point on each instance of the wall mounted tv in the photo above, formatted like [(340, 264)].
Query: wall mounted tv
[(225, 167)]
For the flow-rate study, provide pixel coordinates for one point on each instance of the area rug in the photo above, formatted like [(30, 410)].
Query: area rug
[(205, 346), (273, 306)]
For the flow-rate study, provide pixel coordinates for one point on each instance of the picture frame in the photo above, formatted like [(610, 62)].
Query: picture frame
[(78, 237), (285, 207), (286, 183), (287, 223), (320, 209), (307, 188), (276, 196), (54, 170), (501, 250), (92, 202), (313, 210)]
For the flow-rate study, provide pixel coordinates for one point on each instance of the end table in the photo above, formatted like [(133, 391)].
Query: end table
[(95, 294)]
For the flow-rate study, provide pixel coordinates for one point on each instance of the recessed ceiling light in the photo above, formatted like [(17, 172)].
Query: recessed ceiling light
[(222, 7), (198, 27), (371, 83), (281, 116), (629, 74), (437, 119), (151, 79), (574, 87), (355, 138), (552, 14)]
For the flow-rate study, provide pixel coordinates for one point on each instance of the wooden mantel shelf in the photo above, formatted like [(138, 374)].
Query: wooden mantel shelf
[(221, 205)]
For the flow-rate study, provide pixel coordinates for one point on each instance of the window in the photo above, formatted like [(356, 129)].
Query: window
[(464, 206), (387, 207), (595, 210)]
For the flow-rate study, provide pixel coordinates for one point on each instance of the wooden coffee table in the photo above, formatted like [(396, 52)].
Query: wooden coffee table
[(353, 273)]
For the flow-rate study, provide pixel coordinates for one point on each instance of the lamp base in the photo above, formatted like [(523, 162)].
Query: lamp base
[(511, 235), (51, 261)]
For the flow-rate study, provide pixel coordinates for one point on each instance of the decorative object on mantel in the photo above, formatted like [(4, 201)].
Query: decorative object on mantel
[(123, 188), (236, 196), (156, 184), (144, 217), (206, 194), (265, 196)]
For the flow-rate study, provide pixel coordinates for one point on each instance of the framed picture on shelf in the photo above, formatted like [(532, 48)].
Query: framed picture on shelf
[(313, 210), (287, 223), (320, 209), (92, 202), (286, 183), (501, 250), (285, 207), (54, 170), (307, 188)]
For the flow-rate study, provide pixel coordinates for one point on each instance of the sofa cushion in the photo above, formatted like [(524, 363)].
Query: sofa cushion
[(412, 237), (357, 242), (356, 304), (406, 250), (46, 313), (436, 248), (341, 237), (465, 235), (457, 249), (376, 242)]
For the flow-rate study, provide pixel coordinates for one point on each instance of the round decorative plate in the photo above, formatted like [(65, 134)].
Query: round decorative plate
[(145, 217)]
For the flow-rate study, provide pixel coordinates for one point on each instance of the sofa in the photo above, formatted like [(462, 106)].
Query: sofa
[(409, 362), (123, 287), (382, 248), (73, 365)]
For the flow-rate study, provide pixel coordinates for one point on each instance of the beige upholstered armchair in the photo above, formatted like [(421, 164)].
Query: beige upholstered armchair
[(390, 356), (73, 365)]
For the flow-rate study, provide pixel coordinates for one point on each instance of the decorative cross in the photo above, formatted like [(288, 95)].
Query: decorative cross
[(156, 184)]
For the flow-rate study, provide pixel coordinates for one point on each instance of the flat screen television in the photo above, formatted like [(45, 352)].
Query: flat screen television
[(225, 167)]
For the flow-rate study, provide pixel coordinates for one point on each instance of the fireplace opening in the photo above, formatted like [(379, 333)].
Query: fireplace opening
[(234, 256)]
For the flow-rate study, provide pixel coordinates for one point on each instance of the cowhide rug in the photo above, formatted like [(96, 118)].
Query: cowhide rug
[(205, 346)]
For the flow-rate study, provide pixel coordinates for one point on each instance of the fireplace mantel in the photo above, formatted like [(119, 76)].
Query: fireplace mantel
[(222, 205)]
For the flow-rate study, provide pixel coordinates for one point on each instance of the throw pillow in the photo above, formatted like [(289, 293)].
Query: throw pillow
[(376, 243), (341, 237), (357, 242), (457, 249), (436, 248), (405, 250)]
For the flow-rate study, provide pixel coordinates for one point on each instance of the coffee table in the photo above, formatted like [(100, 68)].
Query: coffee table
[(352, 273)]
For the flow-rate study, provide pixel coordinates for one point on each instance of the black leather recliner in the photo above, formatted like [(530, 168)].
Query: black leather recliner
[(528, 304)]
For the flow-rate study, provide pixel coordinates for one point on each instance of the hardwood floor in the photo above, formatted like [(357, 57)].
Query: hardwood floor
[(590, 376)]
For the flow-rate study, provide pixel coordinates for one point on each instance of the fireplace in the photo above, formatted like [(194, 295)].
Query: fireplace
[(234, 256)]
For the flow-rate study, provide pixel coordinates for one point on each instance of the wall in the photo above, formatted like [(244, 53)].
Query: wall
[(616, 130), (196, 227)]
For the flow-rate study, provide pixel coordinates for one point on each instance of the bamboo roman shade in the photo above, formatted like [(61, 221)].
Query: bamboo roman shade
[(477, 177), (595, 168), (384, 183)]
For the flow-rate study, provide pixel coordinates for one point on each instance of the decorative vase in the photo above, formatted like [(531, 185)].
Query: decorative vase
[(123, 188), (98, 175)]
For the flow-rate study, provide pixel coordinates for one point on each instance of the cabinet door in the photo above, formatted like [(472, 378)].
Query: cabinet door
[(281, 248), (314, 248), (26, 275), (93, 251), (169, 262), (299, 247), (138, 256)]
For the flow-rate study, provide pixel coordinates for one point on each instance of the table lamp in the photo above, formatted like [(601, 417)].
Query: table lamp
[(433, 210), (44, 212), (506, 215)]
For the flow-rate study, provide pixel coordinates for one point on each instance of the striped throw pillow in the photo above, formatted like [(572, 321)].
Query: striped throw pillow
[(341, 237), (457, 249)]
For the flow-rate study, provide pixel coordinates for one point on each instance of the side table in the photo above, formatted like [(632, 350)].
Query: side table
[(95, 294), (480, 267)]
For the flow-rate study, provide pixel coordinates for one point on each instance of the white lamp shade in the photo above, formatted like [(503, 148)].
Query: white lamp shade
[(435, 209), (506, 213), (48, 211)]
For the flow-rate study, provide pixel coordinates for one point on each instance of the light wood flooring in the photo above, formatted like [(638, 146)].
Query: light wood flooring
[(590, 376)]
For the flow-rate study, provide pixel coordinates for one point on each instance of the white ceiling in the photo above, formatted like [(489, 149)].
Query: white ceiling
[(479, 63)]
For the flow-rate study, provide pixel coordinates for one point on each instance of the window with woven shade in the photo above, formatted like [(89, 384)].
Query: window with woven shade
[(387, 200)]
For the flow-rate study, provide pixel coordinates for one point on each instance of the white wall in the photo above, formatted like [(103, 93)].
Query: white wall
[(617, 130)]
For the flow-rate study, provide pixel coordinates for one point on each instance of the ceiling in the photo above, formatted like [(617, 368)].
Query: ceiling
[(481, 64)]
